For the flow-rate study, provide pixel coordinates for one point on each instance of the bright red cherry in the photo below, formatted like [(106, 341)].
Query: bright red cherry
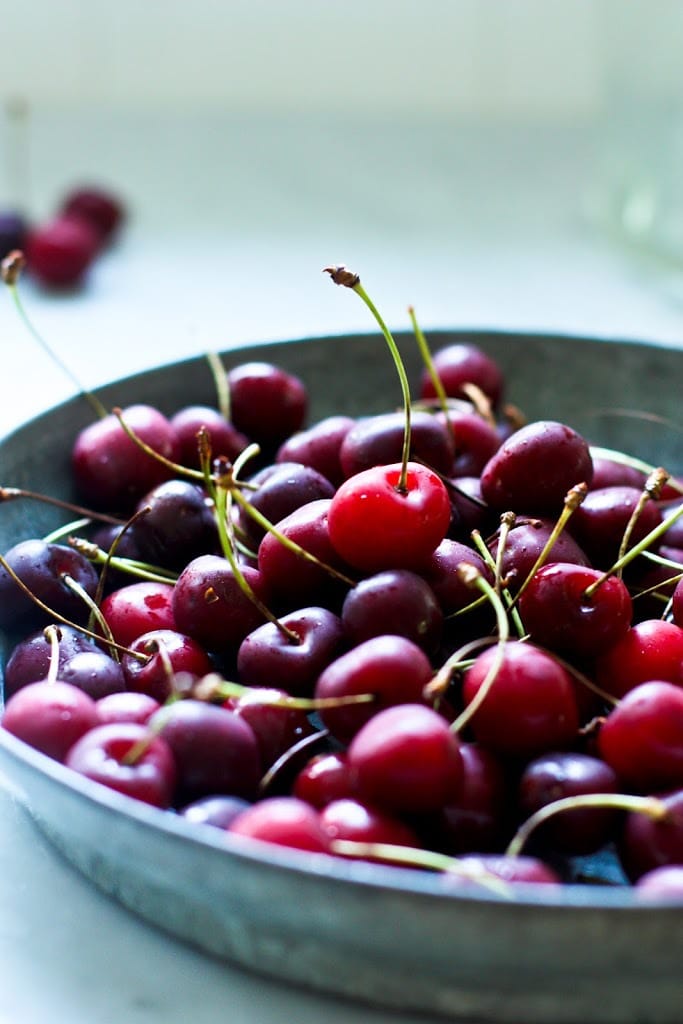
[(374, 525), (284, 820), (642, 738), (652, 649)]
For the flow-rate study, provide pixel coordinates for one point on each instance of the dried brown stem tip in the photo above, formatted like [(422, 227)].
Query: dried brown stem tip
[(12, 266), (342, 275)]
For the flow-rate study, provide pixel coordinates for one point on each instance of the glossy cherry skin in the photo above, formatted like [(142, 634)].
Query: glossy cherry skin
[(277, 728), (524, 544), (30, 660), (558, 776), (60, 252), (652, 649), (406, 760), (601, 520), (126, 707), (531, 706), (267, 403), (210, 606), (394, 601), (378, 441), (323, 779), (94, 672), (50, 716), (138, 608), (267, 657), (281, 490), (215, 751), (110, 470), (101, 755), (478, 818), (534, 469), (642, 737), (392, 668), (646, 843), (476, 441), (441, 572), (375, 526), (165, 652), (319, 446), (557, 614), (463, 363), (352, 820), (285, 821), (175, 525), (224, 438), (43, 569)]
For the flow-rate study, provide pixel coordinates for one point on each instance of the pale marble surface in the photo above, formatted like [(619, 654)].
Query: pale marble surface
[(232, 224)]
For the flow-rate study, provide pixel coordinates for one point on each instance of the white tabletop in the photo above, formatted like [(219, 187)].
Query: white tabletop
[(232, 221)]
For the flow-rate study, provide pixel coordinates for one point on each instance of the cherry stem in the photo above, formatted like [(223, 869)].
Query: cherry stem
[(141, 570), (481, 548), (53, 634), (96, 615), (174, 467), (429, 362), (13, 493), (651, 492), (341, 275), (221, 383), (287, 756), (636, 550), (648, 805), (94, 402), (575, 497), (214, 686), (413, 857)]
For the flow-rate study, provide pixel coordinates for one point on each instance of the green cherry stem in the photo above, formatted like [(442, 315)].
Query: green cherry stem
[(429, 362), (16, 493), (341, 275), (53, 635), (220, 380), (651, 492), (96, 616), (573, 499)]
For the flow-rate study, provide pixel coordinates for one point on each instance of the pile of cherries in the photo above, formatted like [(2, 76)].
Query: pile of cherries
[(61, 251), (464, 654)]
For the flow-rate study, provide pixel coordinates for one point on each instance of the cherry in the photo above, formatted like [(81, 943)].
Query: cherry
[(462, 363), (267, 403), (176, 524), (477, 819), (558, 614), (266, 657), (13, 232), (165, 653), (60, 252), (440, 571), (215, 751), (50, 715), (476, 441), (651, 649), (98, 208), (535, 467), (394, 601), (378, 440), (556, 776), (214, 811), (391, 668), (94, 672), (468, 508), (524, 870), (601, 520), (278, 491), (376, 524), (642, 738), (610, 473), (30, 660), (323, 779), (128, 758), (648, 842), (137, 608), (525, 542), (126, 707), (110, 470), (210, 606), (276, 726), (224, 438), (530, 706), (285, 821), (406, 759), (318, 446), (356, 821), (664, 883), (45, 570)]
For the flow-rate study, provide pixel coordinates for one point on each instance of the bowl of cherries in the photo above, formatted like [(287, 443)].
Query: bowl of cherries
[(326, 658)]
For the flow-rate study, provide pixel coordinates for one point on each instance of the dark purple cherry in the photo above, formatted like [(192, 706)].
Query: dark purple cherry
[(378, 441), (45, 570), (476, 441), (277, 728), (395, 601), (94, 672), (608, 473), (647, 843), (30, 659), (210, 606), (267, 403), (224, 438), (177, 524), (524, 544), (462, 363), (279, 490), (601, 520), (478, 818), (13, 232), (441, 572), (318, 447)]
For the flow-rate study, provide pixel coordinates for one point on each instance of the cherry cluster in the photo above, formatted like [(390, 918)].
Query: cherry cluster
[(60, 252), (443, 638)]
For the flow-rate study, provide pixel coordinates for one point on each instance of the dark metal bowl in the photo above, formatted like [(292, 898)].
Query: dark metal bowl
[(389, 936)]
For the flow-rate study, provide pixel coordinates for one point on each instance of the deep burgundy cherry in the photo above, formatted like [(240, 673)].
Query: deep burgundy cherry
[(50, 716), (361, 823), (30, 660), (530, 707), (277, 728), (392, 668), (463, 363), (318, 446), (524, 544), (642, 737), (378, 440), (478, 819), (165, 652), (651, 649), (94, 672), (608, 473), (323, 779), (374, 525), (267, 403), (406, 760), (60, 252), (102, 755), (110, 470), (535, 467), (394, 601), (441, 572), (285, 821), (600, 521), (99, 208), (210, 606), (279, 490), (45, 569), (137, 608), (558, 615), (565, 774), (646, 843), (677, 604), (177, 524), (215, 751), (476, 441), (267, 657), (293, 580), (224, 438)]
